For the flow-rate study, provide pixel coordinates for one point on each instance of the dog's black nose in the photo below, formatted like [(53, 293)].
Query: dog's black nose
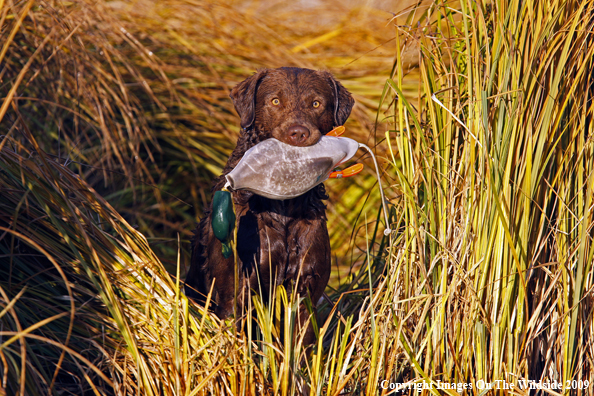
[(297, 135)]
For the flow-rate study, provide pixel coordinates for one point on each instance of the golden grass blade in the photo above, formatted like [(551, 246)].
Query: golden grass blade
[(15, 28), (7, 101)]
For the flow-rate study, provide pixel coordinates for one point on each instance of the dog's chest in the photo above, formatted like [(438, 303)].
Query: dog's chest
[(279, 217), (272, 230)]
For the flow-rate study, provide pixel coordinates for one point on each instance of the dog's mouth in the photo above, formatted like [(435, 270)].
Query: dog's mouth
[(298, 135)]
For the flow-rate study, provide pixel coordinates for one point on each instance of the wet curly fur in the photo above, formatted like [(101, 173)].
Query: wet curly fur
[(278, 241)]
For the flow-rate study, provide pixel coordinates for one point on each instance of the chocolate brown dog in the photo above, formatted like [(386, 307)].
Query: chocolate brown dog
[(284, 239)]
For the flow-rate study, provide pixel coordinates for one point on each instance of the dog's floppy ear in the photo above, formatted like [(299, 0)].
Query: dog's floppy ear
[(244, 98), (343, 100)]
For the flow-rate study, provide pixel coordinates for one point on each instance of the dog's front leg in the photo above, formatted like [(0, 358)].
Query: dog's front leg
[(309, 267)]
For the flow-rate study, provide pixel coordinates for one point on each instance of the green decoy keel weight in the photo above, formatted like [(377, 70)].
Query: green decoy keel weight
[(223, 220)]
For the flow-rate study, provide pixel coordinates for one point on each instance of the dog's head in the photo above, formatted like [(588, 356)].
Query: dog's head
[(296, 106)]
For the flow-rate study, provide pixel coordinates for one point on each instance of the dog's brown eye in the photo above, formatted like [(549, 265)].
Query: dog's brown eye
[(316, 104), (275, 101)]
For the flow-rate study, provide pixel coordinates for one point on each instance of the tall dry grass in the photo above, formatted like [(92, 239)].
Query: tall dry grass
[(495, 162), (487, 276)]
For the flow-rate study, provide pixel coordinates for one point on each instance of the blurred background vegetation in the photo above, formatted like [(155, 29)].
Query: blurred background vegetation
[(115, 116), (134, 96)]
